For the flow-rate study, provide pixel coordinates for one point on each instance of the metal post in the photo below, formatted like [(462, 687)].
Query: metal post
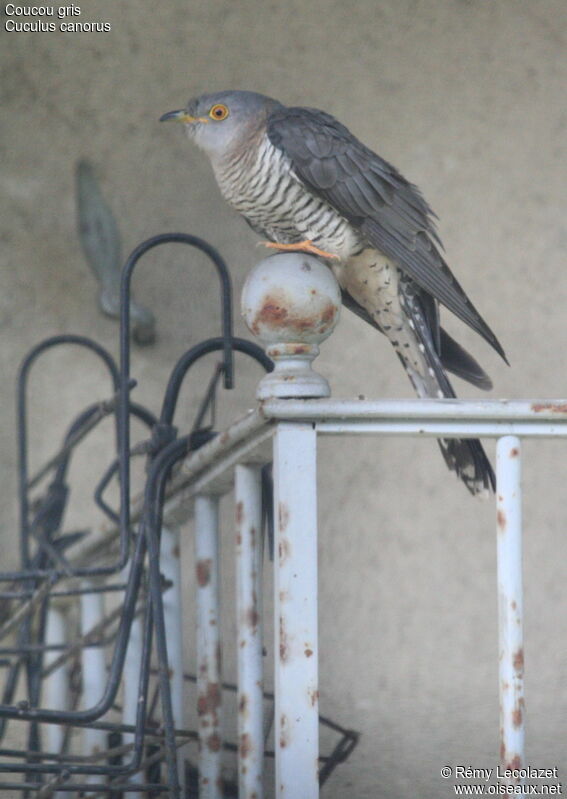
[(131, 686), (296, 675), (56, 684), (510, 603), (172, 610), (94, 672), (248, 497), (209, 679)]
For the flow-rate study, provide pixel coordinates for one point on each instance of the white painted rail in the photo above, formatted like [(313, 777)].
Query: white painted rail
[(294, 425)]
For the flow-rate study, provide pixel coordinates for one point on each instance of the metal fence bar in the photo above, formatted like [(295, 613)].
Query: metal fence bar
[(209, 676), (510, 603), (56, 685), (172, 607), (93, 671), (131, 686), (248, 498), (295, 587)]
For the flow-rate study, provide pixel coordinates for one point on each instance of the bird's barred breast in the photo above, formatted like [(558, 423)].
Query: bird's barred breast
[(261, 185)]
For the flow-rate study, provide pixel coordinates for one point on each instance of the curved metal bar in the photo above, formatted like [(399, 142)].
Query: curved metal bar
[(159, 471), (194, 354), (123, 404), (148, 418), (21, 409)]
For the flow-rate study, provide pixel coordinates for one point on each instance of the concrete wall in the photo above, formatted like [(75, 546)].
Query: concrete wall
[(467, 99)]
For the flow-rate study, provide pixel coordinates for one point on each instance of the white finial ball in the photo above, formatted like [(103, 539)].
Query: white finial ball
[(291, 302), (291, 297)]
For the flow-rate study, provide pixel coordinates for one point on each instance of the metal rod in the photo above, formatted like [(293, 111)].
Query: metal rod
[(510, 603), (130, 690), (172, 612), (209, 666), (295, 608), (248, 498)]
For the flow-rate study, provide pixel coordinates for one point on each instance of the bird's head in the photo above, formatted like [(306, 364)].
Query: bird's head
[(219, 122)]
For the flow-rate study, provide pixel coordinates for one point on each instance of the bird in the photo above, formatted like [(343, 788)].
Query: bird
[(303, 181)]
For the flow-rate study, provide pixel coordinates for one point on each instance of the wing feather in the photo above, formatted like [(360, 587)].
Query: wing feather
[(373, 196)]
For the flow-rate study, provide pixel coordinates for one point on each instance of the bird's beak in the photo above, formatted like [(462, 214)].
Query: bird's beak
[(181, 116)]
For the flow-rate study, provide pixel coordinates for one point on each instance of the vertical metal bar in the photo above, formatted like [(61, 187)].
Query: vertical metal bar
[(56, 684), (510, 603), (172, 610), (248, 497), (131, 685), (295, 585), (93, 671), (209, 677)]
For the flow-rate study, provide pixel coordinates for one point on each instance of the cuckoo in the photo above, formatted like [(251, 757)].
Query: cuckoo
[(303, 181)]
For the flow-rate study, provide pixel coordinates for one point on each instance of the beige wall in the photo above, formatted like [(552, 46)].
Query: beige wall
[(467, 98)]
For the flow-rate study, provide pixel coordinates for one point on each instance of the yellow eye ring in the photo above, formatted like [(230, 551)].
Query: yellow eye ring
[(218, 112)]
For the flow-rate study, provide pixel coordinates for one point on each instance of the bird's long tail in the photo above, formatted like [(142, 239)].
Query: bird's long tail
[(418, 354)]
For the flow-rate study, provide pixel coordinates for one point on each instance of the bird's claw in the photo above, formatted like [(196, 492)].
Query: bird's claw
[(301, 246)]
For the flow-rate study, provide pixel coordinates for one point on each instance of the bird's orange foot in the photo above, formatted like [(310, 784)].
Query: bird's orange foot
[(301, 246)]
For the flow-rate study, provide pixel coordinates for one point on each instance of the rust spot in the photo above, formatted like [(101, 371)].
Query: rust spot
[(500, 498), (517, 714), (501, 519), (313, 291), (313, 697), (252, 617), (298, 349), (284, 642), (204, 571), (225, 437), (513, 604), (538, 407), (284, 731), (272, 313), (214, 742), (502, 750), (238, 539), (239, 512), (308, 652), (328, 316), (518, 662), (516, 762), (283, 596), (283, 550), (283, 516), (514, 452), (245, 745), (210, 701)]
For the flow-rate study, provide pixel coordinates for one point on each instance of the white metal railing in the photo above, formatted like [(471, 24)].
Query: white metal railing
[(293, 426), (293, 411)]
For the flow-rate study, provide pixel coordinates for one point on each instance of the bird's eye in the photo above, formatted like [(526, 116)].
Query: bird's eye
[(218, 112)]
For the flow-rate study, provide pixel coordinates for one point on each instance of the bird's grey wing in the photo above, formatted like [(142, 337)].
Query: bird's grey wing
[(374, 197)]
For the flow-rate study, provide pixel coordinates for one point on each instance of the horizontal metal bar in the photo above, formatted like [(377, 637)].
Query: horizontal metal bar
[(431, 417), (447, 429)]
